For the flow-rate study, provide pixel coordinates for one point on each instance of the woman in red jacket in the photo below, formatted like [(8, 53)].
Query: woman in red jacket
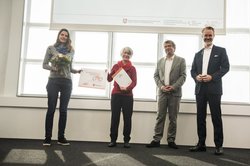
[(122, 98)]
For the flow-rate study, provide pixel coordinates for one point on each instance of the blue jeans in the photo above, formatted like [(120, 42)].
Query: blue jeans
[(54, 86)]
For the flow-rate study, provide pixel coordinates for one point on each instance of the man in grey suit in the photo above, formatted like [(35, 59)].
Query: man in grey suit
[(169, 76), (210, 64)]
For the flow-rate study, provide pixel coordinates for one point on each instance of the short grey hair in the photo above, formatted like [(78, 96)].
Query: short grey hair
[(128, 50)]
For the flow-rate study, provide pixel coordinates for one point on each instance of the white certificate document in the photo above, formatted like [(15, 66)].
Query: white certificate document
[(93, 78), (122, 78)]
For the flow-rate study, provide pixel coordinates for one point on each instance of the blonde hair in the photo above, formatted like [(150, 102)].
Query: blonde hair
[(128, 50)]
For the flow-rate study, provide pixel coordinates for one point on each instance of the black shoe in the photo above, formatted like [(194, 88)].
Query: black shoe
[(198, 148), (63, 141), (172, 145), (126, 145), (112, 144), (153, 144), (218, 151), (47, 142)]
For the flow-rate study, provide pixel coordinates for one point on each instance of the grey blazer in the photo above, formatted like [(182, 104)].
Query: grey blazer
[(177, 75)]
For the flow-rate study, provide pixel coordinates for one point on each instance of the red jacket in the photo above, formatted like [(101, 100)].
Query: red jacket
[(131, 71)]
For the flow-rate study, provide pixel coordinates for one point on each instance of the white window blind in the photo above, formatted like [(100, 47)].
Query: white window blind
[(158, 16)]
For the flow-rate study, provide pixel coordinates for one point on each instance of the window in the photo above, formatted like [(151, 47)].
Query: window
[(237, 14), (186, 51), (101, 50), (35, 42), (145, 47), (91, 51), (237, 41)]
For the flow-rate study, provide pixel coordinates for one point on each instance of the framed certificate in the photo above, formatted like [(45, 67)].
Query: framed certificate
[(93, 78), (122, 78)]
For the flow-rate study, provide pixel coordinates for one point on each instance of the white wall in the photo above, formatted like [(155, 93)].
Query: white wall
[(89, 120), (5, 17)]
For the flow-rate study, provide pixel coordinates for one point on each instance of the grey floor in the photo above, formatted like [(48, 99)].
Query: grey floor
[(17, 152)]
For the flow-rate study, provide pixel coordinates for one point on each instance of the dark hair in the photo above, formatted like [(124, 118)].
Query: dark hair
[(68, 42), (207, 28), (170, 42)]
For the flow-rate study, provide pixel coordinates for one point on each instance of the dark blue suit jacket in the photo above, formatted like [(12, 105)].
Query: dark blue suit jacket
[(218, 66)]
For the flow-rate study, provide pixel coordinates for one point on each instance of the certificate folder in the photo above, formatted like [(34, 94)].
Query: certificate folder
[(122, 78)]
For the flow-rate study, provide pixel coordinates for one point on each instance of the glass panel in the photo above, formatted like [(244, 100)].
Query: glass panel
[(91, 46), (188, 88), (232, 78), (232, 91), (40, 11), (145, 88), (237, 46), (143, 45), (38, 41), (184, 49), (34, 83), (237, 14)]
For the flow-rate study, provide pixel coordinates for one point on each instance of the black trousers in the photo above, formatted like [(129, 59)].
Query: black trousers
[(214, 101), (124, 104), (54, 87)]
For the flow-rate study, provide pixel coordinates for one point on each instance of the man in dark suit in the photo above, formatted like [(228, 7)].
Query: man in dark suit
[(210, 64), (170, 75)]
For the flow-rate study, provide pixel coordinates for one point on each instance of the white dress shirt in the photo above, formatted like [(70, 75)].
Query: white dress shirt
[(206, 56), (168, 65)]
